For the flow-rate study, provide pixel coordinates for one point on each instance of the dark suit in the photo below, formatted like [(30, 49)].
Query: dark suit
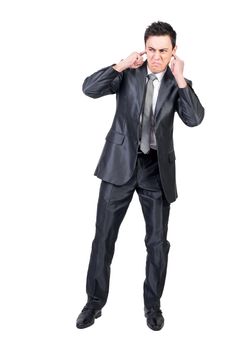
[(119, 155), (123, 169)]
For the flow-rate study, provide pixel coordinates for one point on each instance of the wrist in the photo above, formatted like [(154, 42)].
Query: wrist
[(181, 81), (120, 67)]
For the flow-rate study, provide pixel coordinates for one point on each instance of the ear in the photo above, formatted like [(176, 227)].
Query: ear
[(174, 50)]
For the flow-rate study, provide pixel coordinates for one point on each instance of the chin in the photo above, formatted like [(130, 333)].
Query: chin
[(156, 68)]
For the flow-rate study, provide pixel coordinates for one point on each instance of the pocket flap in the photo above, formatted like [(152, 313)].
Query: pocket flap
[(115, 137)]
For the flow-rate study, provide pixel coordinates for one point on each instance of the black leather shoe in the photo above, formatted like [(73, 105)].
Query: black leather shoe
[(87, 317), (155, 319)]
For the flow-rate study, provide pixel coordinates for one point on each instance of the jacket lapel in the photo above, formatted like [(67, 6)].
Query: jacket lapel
[(141, 74), (167, 84)]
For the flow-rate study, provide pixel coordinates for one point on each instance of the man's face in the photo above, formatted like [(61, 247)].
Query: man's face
[(159, 52)]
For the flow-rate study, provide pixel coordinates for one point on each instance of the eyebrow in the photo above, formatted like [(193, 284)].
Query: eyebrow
[(164, 48)]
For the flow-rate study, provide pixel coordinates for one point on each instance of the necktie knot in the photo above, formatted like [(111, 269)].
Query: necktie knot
[(152, 77)]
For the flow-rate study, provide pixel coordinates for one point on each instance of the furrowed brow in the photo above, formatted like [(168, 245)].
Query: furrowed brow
[(162, 49)]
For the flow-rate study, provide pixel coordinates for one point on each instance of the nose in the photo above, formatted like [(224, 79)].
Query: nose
[(156, 55)]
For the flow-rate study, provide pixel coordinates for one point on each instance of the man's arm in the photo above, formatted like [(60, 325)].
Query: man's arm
[(188, 106), (107, 81)]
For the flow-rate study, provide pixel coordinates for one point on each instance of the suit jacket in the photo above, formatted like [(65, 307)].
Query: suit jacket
[(119, 155)]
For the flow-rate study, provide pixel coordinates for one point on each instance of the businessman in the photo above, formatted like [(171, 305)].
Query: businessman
[(138, 155)]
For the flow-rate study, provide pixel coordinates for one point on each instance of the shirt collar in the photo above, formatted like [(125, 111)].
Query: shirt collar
[(158, 75)]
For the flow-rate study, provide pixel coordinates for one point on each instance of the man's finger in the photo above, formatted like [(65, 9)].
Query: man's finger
[(142, 53)]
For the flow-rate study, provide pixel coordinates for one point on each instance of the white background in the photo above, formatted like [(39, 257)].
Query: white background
[(49, 194)]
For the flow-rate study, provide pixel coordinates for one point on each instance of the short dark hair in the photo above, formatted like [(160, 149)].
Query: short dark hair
[(161, 28)]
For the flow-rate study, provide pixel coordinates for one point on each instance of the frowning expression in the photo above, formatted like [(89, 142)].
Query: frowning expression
[(159, 52)]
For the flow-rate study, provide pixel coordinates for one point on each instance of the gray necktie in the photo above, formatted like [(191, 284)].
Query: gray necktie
[(147, 113)]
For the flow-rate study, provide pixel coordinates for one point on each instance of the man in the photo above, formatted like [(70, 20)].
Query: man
[(139, 155)]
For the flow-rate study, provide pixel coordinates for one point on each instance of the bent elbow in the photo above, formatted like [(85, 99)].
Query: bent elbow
[(196, 119), (87, 90)]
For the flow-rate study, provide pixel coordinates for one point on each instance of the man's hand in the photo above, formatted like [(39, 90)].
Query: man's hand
[(135, 60), (177, 68)]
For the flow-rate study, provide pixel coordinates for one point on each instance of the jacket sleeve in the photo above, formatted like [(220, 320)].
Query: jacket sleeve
[(189, 107), (106, 81)]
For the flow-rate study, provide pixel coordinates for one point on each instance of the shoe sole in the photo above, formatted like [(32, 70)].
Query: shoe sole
[(82, 326)]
